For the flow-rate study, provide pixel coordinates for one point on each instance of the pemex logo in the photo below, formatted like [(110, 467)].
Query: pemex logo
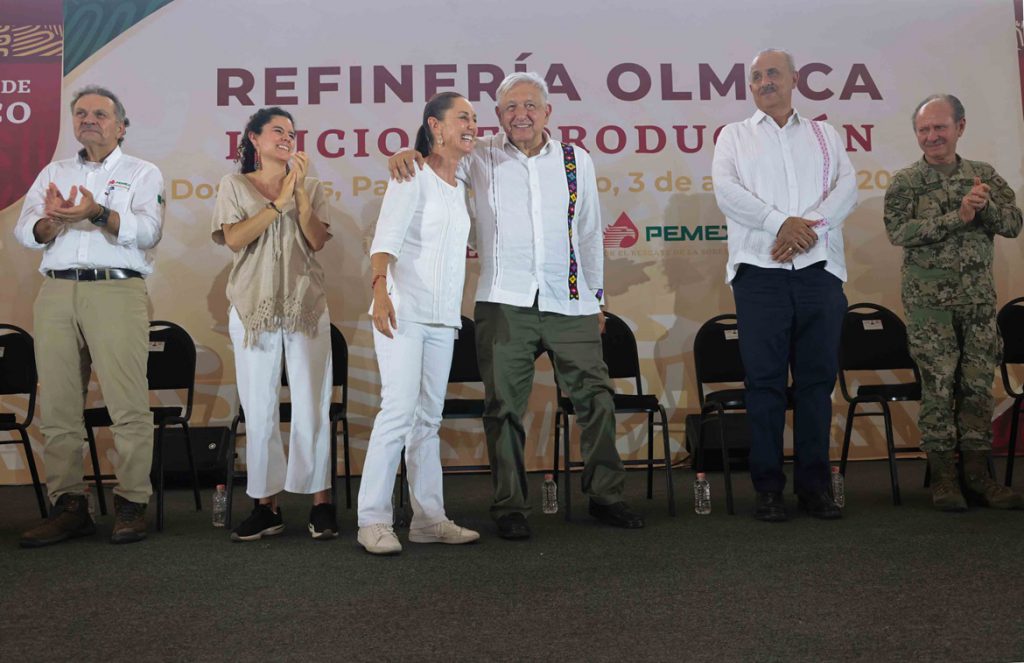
[(622, 234)]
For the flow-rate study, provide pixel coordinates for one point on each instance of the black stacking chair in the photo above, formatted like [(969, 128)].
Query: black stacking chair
[(18, 376), (716, 360), (338, 413), (171, 367), (875, 339), (1011, 326), (618, 345)]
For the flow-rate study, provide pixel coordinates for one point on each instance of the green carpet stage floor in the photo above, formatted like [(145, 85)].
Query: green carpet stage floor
[(883, 584)]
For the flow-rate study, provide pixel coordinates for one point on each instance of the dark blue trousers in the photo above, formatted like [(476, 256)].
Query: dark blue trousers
[(789, 321)]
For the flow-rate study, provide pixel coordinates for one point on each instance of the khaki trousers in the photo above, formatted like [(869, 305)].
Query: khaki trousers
[(104, 324)]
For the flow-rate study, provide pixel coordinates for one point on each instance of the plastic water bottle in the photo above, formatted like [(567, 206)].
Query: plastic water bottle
[(701, 495), (220, 505), (549, 494), (90, 502), (838, 489)]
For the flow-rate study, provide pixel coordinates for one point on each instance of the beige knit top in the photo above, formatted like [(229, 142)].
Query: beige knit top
[(276, 281)]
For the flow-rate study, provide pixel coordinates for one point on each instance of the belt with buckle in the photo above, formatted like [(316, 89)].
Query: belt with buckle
[(94, 274)]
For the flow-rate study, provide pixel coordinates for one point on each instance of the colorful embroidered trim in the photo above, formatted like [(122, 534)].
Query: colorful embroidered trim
[(570, 175), (826, 167)]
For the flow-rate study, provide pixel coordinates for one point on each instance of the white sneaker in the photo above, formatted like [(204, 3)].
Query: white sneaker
[(379, 539), (443, 532)]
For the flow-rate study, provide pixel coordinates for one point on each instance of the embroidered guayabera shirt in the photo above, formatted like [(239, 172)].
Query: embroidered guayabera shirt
[(131, 187), (529, 249), (764, 173)]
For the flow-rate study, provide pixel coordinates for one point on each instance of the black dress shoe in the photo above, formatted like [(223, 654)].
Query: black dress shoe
[(819, 505), (616, 515), (771, 508), (513, 526)]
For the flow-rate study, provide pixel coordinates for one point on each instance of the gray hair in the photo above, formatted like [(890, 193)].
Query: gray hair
[(789, 58), (515, 78), (958, 107), (119, 111)]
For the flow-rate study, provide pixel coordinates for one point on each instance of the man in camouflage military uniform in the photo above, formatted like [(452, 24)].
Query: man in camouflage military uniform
[(945, 211)]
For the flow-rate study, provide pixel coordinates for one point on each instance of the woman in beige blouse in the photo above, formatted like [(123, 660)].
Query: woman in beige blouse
[(274, 218)]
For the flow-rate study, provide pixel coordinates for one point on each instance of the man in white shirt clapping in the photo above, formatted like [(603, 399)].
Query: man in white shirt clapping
[(96, 218), (539, 237), (785, 185)]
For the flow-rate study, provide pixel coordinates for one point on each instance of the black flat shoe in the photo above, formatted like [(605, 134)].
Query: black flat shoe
[(513, 526), (819, 505), (616, 515), (771, 508)]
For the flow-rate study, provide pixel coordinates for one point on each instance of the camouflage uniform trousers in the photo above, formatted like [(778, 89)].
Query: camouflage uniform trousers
[(956, 349)]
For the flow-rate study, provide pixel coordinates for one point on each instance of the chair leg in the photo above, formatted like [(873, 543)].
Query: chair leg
[(851, 413), (348, 465), (98, 480), (555, 453), (1012, 449), (891, 448), (565, 465), (229, 480), (726, 465), (334, 462), (650, 455), (31, 460), (158, 466), (192, 467), (668, 464)]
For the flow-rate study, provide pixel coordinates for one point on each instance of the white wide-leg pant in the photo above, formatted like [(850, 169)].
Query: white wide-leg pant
[(414, 368), (258, 375)]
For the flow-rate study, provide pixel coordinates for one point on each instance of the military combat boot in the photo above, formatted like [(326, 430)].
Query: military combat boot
[(980, 483), (946, 495)]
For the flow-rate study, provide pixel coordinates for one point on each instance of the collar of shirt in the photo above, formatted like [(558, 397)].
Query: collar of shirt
[(760, 116), (510, 147), (107, 164)]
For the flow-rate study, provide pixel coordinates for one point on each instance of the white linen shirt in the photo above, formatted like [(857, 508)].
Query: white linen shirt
[(521, 207), (131, 187), (764, 173), (424, 225)]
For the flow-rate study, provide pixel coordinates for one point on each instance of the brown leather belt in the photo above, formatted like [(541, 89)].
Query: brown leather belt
[(93, 274)]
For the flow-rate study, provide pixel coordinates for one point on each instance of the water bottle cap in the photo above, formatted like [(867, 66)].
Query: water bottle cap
[(221, 486), (835, 470), (700, 475), (549, 477)]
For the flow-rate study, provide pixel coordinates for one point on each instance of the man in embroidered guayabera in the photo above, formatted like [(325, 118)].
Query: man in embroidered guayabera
[(785, 185), (539, 236), (96, 218), (945, 212)]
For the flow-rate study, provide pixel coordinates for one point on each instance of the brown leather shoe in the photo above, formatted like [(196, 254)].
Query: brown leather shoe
[(68, 518), (129, 522)]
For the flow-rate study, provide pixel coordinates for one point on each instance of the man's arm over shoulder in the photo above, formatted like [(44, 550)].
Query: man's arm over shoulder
[(1001, 216), (842, 197), (734, 199), (141, 222), (904, 224)]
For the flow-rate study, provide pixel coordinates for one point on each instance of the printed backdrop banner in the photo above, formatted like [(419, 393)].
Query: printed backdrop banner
[(644, 89)]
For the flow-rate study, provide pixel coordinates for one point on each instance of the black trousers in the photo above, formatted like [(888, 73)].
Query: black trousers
[(790, 320)]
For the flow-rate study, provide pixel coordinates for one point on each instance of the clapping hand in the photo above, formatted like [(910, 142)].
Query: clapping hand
[(975, 200)]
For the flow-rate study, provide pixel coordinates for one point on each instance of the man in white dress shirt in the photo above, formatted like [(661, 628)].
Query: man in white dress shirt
[(785, 185), (541, 287), (96, 217)]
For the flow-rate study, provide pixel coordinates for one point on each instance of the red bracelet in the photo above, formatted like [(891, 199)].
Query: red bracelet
[(373, 284)]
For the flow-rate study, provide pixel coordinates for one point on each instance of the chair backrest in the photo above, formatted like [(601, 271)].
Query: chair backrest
[(464, 365), (17, 361), (172, 360), (873, 339), (1011, 327), (716, 353), (618, 345), (339, 361)]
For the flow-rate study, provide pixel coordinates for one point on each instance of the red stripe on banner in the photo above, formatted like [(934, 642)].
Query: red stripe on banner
[(31, 55), (1018, 11)]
